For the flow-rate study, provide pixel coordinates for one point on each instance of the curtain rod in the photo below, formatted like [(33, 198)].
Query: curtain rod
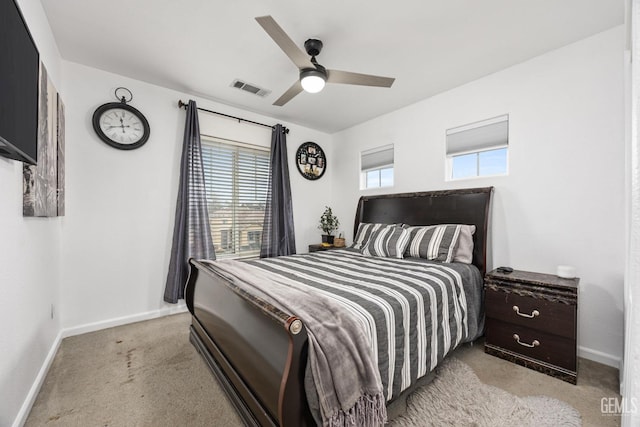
[(240, 119)]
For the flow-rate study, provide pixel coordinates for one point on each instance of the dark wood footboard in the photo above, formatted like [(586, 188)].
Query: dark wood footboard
[(257, 352)]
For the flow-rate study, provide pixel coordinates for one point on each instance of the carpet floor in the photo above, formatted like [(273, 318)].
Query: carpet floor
[(148, 374), (456, 397)]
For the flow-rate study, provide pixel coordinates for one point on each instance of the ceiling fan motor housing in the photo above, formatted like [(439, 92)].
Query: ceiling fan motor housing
[(319, 70)]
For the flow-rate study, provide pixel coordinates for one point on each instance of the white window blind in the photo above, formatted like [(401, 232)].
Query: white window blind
[(376, 167), (376, 158), (485, 135), (236, 178)]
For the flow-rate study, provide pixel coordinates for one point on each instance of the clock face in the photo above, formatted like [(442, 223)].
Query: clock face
[(121, 126), (311, 160)]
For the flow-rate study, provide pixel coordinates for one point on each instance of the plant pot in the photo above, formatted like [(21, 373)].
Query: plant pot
[(327, 239)]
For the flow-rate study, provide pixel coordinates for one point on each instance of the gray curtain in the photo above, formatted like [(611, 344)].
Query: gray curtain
[(191, 231), (278, 236)]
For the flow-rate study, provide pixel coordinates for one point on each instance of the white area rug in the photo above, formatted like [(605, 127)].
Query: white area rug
[(456, 397)]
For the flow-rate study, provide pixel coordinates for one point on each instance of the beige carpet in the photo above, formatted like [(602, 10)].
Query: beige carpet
[(456, 397), (143, 374), (148, 374)]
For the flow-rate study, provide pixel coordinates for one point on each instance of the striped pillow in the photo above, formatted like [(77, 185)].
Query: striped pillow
[(365, 231), (434, 242), (390, 242)]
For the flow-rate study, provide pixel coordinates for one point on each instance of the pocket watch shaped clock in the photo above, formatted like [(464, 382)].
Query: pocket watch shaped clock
[(120, 125)]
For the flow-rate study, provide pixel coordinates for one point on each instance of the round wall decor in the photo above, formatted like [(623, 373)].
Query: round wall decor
[(311, 160), (120, 125)]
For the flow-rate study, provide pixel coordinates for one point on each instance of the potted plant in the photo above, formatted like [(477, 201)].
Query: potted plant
[(328, 223)]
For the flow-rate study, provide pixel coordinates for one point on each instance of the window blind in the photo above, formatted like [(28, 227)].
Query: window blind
[(236, 179), (479, 136), (376, 158)]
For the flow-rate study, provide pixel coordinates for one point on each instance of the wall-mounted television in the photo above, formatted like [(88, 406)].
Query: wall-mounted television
[(19, 71)]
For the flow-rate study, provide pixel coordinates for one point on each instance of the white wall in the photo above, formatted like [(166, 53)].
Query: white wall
[(563, 200), (630, 380), (121, 204), (29, 263)]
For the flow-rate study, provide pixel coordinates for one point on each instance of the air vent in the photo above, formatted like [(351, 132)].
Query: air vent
[(251, 88)]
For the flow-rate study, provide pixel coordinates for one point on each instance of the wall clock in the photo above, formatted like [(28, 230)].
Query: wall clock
[(311, 160), (120, 125)]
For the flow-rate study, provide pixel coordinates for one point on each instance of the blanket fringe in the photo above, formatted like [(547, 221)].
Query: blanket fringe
[(368, 411)]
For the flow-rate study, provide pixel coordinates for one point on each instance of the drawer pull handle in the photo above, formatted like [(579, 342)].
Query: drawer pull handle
[(533, 314), (535, 343)]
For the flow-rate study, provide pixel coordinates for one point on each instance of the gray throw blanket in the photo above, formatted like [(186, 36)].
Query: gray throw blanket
[(341, 356)]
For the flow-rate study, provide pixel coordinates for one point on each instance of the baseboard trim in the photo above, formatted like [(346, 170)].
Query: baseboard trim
[(29, 400), (600, 357), (124, 320), (21, 418)]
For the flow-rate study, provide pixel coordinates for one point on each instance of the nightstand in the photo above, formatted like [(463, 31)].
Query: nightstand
[(532, 321), (319, 247)]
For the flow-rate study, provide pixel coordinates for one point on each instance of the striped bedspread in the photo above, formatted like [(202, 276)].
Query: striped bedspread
[(414, 311)]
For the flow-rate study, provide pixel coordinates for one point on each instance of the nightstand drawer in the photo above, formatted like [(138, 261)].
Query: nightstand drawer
[(535, 344), (535, 313)]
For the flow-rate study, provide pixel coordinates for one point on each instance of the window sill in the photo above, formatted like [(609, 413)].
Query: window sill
[(476, 177), (376, 188)]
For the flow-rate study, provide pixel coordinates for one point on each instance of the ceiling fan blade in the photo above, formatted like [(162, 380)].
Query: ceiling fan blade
[(287, 45), (295, 89), (349, 78)]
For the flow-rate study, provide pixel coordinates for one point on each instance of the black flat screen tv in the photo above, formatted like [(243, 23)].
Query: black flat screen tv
[(19, 73)]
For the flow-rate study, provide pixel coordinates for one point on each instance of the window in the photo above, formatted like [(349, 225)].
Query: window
[(478, 149), (226, 240), (376, 167), (254, 239), (237, 177)]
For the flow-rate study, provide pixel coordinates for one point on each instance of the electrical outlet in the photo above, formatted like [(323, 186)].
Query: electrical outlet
[(52, 310)]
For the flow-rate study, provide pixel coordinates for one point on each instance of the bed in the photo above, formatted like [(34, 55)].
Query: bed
[(258, 347)]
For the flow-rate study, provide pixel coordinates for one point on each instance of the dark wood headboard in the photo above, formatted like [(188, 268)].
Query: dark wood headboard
[(466, 206)]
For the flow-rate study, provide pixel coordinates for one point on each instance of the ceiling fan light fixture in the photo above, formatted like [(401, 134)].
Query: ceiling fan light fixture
[(312, 80)]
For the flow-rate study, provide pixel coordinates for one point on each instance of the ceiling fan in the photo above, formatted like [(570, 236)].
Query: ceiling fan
[(313, 76)]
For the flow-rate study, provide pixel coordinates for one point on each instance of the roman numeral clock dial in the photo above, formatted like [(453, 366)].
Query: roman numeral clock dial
[(120, 125)]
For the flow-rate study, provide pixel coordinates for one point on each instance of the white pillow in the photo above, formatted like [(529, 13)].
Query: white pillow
[(464, 249)]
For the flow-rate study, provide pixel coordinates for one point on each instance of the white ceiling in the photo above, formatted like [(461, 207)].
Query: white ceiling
[(200, 46)]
